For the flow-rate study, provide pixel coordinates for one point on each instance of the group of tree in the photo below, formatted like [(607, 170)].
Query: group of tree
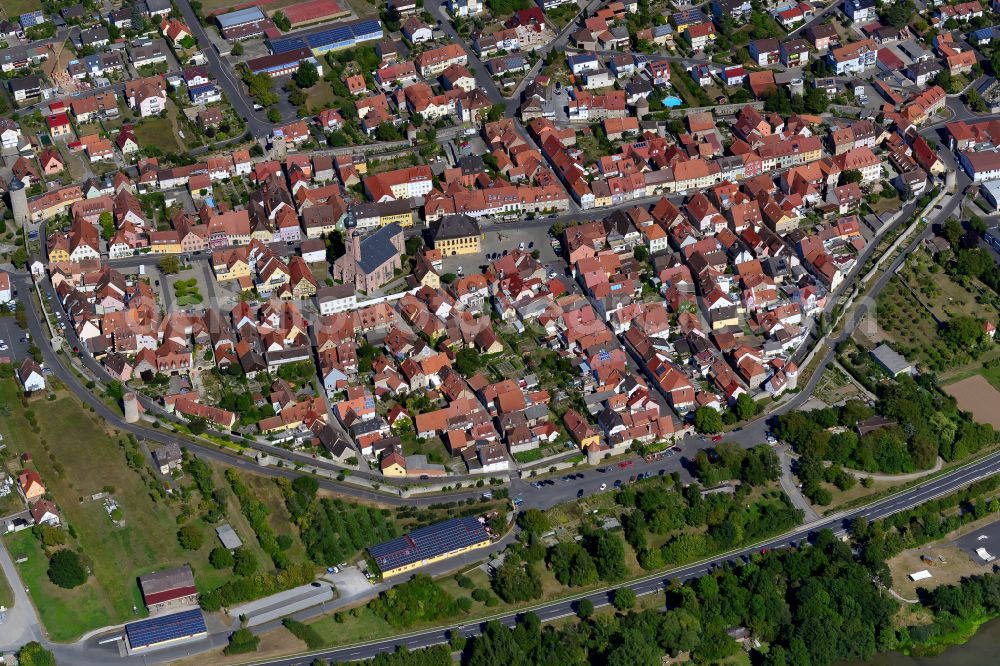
[(882, 539), (419, 599), (708, 420), (727, 461), (722, 520), (920, 423), (257, 513), (811, 606), (331, 529)]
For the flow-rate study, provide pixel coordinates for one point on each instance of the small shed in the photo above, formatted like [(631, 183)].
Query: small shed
[(228, 536)]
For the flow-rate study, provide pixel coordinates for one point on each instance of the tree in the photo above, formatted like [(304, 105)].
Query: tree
[(851, 176), (608, 551), (624, 599), (585, 608), (707, 420), (641, 253), (241, 641), (244, 563), (66, 569), (107, 223), (514, 582), (281, 21), (533, 521), (572, 565), (274, 115), (190, 537), (170, 265), (237, 49), (745, 408), (467, 361), (306, 76), (220, 558), (34, 654), (188, 42), (387, 131)]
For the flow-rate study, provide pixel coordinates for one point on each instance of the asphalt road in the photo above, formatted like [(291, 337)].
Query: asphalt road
[(225, 76)]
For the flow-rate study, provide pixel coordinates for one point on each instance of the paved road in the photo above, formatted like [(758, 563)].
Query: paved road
[(21, 624), (225, 76)]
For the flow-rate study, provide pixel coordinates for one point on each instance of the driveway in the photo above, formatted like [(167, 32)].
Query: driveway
[(21, 623)]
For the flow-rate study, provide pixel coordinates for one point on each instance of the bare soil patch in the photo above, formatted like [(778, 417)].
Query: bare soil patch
[(976, 395)]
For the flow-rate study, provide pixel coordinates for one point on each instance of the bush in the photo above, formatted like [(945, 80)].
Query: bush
[(418, 600), (242, 641), (464, 582), (34, 654), (190, 537), (305, 633), (220, 558), (66, 570), (465, 604), (481, 595), (624, 599)]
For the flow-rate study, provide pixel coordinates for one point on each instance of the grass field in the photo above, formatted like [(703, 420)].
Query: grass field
[(908, 305), (156, 131), (6, 596), (14, 8), (73, 469)]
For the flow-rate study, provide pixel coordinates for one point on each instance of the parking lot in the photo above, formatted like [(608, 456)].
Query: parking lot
[(11, 337), (496, 240), (987, 537)]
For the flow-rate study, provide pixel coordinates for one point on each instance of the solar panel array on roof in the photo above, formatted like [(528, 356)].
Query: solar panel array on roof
[(342, 35), (429, 542), (153, 631)]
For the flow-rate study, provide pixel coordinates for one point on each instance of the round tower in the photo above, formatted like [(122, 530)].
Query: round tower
[(131, 403), (18, 201)]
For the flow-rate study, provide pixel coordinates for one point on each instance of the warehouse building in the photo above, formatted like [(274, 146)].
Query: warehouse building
[(430, 544), (283, 64), (169, 589), (242, 24), (164, 631), (330, 37)]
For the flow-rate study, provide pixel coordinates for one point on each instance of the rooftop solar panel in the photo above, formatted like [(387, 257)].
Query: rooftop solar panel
[(428, 542), (165, 628)]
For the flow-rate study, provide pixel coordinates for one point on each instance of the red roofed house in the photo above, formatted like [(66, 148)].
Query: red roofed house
[(169, 590)]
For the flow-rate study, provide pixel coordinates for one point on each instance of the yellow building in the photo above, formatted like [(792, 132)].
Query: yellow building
[(402, 219), (393, 465), (165, 242), (430, 544), (229, 265), (456, 234)]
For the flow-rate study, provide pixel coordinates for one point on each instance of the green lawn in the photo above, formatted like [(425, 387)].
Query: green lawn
[(73, 468), (65, 613), (12, 9), (156, 131), (6, 597)]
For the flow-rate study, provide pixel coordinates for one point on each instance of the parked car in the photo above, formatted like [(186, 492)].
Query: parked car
[(717, 438)]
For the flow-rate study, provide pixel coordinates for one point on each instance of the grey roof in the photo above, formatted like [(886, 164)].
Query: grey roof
[(378, 248), (240, 17), (454, 226), (167, 454), (890, 359), (393, 207), (157, 5), (168, 579), (336, 292), (25, 83), (228, 536)]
